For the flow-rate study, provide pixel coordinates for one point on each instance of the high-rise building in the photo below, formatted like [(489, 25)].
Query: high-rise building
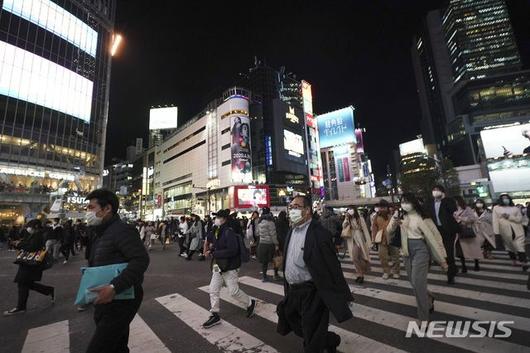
[(469, 76), (480, 39), (54, 89)]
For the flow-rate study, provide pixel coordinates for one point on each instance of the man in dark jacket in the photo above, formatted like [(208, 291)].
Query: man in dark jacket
[(223, 245), (442, 209), (332, 223), (114, 242), (314, 282)]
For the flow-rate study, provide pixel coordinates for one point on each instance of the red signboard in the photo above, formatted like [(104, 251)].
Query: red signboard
[(250, 196)]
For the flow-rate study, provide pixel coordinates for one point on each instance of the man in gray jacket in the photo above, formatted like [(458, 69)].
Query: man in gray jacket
[(268, 242)]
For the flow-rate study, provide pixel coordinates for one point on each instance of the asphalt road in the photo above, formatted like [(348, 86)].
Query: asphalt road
[(176, 303)]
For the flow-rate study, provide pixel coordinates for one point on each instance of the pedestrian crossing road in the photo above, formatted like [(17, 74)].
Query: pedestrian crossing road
[(172, 313)]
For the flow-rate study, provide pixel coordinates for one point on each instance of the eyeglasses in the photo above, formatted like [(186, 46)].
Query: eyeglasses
[(295, 207)]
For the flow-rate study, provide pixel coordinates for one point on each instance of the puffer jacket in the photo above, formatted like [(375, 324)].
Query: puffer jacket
[(266, 230), (331, 222), (116, 242)]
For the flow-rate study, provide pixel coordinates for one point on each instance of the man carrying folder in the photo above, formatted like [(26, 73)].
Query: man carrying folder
[(114, 242)]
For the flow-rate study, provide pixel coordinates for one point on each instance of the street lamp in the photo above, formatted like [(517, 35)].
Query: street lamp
[(116, 41)]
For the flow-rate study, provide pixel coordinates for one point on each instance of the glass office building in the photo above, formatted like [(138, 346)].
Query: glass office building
[(480, 38), (54, 89)]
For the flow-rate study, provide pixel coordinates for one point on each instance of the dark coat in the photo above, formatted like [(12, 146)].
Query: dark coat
[(321, 260), (30, 242), (282, 229), (116, 242), (447, 208), (226, 252)]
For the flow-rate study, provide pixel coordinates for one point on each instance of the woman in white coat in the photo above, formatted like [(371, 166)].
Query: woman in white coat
[(421, 242), (507, 221), (358, 240), (469, 243), (483, 227)]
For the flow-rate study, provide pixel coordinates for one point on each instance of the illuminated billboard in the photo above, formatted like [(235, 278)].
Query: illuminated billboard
[(307, 97), (506, 141), (360, 140), (51, 17), (163, 118), (411, 147), (293, 143), (251, 196), (507, 150), (336, 128), (29, 77), (240, 148)]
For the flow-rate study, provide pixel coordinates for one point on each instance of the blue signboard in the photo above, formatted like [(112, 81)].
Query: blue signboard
[(336, 128)]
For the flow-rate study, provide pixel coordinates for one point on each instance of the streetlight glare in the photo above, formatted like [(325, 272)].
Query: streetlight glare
[(116, 41)]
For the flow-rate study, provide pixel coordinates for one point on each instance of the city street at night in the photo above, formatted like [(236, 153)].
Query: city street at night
[(176, 303)]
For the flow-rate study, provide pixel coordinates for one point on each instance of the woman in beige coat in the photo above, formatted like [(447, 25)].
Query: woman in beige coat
[(421, 242), (357, 236), (507, 221)]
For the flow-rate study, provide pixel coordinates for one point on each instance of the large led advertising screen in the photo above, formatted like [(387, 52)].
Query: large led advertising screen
[(240, 148), (163, 118), (342, 163), (411, 147), (507, 151), (512, 140), (336, 128), (29, 77), (293, 143), (251, 196), (48, 15)]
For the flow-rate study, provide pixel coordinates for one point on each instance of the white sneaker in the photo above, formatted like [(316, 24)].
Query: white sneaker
[(65, 262), (385, 276), (395, 276)]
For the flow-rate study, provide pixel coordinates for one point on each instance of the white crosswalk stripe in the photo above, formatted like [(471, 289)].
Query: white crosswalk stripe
[(501, 275), (49, 338), (350, 341), (226, 337), (142, 339), (400, 322)]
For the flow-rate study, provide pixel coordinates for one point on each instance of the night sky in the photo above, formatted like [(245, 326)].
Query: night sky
[(352, 52)]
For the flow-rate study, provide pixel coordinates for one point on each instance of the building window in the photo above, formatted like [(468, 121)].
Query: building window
[(225, 146), (225, 130), (226, 163)]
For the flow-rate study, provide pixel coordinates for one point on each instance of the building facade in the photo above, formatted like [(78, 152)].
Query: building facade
[(54, 88)]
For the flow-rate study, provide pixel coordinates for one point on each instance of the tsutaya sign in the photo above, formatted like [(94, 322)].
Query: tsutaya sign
[(290, 115), (76, 200)]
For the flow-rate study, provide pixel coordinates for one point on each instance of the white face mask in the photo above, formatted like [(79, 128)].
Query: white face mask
[(217, 222), (92, 219), (437, 194), (407, 207), (376, 209), (351, 212), (480, 205), (506, 202), (295, 216), (30, 230)]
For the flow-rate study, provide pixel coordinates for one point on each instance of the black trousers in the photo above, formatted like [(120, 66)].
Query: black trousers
[(308, 317), (112, 324), (66, 249), (449, 245), (25, 287), (182, 246)]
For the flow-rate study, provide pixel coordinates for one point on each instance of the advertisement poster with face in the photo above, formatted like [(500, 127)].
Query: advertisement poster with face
[(507, 151), (252, 196), (240, 147)]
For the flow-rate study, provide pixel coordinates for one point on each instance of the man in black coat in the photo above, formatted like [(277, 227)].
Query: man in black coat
[(314, 283), (114, 242), (442, 209)]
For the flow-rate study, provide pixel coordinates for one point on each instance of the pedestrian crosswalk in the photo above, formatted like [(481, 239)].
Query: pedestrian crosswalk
[(382, 312)]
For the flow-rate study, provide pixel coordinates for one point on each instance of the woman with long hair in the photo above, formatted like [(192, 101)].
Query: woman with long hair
[(420, 240), (507, 222), (469, 242), (358, 240), (484, 228)]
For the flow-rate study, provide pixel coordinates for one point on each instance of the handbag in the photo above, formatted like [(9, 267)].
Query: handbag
[(466, 232), (379, 237), (277, 261), (31, 258)]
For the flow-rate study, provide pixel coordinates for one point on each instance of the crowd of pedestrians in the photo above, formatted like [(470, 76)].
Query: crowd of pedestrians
[(301, 246)]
